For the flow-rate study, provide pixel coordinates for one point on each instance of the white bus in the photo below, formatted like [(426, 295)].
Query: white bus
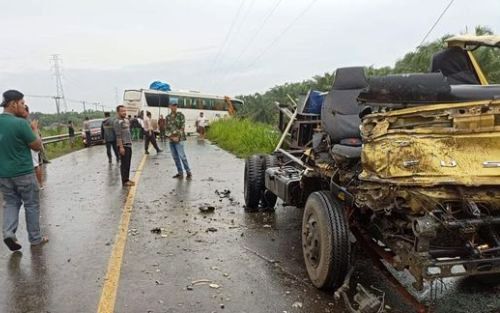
[(189, 103)]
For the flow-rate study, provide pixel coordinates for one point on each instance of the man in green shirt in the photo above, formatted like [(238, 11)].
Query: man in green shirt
[(175, 132), (17, 178)]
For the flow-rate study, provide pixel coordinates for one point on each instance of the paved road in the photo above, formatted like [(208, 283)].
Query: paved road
[(253, 261)]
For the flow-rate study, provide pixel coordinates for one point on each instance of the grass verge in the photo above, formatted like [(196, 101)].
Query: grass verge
[(57, 149), (243, 137)]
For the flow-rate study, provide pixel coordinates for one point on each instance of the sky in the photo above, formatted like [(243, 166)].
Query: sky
[(223, 47)]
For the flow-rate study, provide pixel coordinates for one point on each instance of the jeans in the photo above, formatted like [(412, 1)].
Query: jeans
[(177, 150), (125, 164), (17, 191), (109, 145)]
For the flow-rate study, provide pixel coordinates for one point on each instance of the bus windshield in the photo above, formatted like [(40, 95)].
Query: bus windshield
[(157, 99), (132, 95)]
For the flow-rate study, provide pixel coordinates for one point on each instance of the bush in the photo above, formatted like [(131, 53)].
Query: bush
[(243, 137)]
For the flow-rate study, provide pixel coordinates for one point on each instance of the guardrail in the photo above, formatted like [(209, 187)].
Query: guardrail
[(53, 139)]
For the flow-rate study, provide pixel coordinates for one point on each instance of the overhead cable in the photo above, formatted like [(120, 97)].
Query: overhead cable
[(436, 22)]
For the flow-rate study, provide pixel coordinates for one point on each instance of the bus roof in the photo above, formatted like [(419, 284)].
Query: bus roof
[(182, 94)]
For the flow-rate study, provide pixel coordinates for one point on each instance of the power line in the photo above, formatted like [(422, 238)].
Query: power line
[(436, 22), (302, 13), (257, 33), (227, 36)]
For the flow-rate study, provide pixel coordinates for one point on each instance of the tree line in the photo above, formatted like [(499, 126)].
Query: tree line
[(261, 107)]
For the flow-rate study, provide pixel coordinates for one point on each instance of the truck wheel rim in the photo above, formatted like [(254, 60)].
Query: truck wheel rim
[(312, 244)]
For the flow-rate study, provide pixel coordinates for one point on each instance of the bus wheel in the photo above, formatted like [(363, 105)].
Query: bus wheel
[(268, 198), (325, 240), (253, 182)]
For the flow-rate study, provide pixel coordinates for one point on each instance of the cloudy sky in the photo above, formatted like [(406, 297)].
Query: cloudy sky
[(225, 47)]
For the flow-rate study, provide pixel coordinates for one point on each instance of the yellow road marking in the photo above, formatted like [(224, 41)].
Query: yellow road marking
[(108, 295)]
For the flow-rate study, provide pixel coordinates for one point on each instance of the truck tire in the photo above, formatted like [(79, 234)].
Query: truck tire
[(325, 240), (268, 198), (253, 182)]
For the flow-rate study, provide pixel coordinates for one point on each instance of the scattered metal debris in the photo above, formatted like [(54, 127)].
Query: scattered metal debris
[(207, 209), (297, 305)]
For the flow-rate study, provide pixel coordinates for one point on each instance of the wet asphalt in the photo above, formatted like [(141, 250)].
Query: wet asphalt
[(223, 261)]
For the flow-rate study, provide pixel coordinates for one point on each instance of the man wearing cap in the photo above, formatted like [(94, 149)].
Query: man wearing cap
[(18, 183), (175, 131)]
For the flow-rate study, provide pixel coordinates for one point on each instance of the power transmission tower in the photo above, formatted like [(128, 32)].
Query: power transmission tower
[(56, 65)]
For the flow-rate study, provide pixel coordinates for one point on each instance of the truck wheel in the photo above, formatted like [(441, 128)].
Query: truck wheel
[(325, 240), (253, 182), (268, 198)]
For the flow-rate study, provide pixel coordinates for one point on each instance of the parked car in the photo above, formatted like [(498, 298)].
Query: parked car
[(95, 133)]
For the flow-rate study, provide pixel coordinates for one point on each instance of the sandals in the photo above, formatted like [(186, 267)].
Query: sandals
[(128, 183), (42, 242), (12, 244)]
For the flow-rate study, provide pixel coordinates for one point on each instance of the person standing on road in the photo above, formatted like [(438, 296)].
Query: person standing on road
[(71, 132), (140, 121), (134, 128), (162, 126), (17, 178), (86, 129), (201, 123), (175, 132), (149, 134), (108, 134), (35, 155), (124, 143)]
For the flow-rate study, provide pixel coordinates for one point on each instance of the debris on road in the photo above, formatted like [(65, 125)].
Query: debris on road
[(297, 305), (201, 282), (207, 209), (159, 231), (211, 229), (214, 286), (223, 194)]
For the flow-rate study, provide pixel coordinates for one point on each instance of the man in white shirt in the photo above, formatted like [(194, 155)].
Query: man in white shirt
[(201, 123), (149, 134)]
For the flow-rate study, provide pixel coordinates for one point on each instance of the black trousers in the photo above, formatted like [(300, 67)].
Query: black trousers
[(109, 145), (125, 164), (150, 138), (88, 138)]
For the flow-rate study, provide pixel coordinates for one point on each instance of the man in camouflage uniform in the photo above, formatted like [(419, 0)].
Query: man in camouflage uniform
[(175, 132)]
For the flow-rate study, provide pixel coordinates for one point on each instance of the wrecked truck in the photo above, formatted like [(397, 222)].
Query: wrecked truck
[(409, 164)]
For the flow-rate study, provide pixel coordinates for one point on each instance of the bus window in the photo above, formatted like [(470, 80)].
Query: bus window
[(182, 102), (210, 104), (157, 99), (199, 104), (219, 105)]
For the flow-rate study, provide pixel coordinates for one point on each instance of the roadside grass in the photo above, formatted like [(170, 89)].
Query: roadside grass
[(57, 149), (243, 137)]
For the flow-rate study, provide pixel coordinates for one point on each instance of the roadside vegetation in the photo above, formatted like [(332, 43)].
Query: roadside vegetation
[(260, 106), (243, 137), (57, 124), (57, 149)]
